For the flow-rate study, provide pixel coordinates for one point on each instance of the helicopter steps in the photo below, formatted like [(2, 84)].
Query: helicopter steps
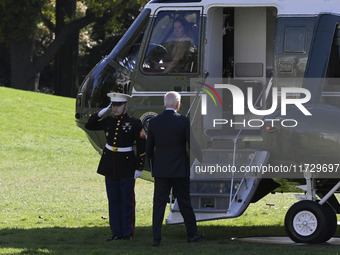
[(220, 195)]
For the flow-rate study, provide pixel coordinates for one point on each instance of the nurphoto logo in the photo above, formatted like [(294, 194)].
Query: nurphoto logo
[(238, 105)]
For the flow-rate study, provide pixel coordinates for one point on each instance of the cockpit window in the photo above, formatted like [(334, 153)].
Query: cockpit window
[(127, 55), (173, 46)]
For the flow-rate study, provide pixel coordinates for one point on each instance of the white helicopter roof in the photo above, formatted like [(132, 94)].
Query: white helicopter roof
[(284, 7)]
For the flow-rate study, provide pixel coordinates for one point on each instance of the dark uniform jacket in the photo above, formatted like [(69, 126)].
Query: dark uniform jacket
[(120, 131), (168, 135)]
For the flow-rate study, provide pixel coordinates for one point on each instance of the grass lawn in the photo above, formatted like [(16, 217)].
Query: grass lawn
[(53, 202)]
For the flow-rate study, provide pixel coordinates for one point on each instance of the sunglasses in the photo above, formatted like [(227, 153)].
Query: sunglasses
[(117, 103)]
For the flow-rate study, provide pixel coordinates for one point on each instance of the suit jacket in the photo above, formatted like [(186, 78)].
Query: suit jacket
[(168, 135)]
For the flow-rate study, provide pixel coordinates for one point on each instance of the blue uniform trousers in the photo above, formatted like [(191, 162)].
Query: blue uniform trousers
[(121, 198)]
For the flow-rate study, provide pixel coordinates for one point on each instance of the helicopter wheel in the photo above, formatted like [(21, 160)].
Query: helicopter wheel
[(308, 222), (332, 221)]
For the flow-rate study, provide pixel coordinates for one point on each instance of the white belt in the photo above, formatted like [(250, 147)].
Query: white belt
[(118, 149)]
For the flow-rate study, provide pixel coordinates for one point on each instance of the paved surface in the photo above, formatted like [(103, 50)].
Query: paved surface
[(280, 240)]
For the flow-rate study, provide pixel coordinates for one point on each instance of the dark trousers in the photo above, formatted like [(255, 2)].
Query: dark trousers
[(181, 189), (121, 198)]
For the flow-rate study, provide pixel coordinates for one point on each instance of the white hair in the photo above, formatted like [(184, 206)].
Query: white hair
[(171, 99)]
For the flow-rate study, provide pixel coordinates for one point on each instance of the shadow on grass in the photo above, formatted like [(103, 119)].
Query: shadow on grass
[(91, 240)]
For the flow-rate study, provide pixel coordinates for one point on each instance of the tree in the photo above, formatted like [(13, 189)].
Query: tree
[(65, 60), (18, 29)]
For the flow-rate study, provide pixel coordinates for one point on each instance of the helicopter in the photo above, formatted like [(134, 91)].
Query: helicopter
[(259, 80)]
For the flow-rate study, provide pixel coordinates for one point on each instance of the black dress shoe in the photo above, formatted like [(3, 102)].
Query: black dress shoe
[(113, 238), (156, 242), (195, 237)]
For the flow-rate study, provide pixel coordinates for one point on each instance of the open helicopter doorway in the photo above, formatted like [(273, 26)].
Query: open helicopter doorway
[(239, 50)]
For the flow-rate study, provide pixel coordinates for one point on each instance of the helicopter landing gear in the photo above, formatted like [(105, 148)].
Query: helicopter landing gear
[(309, 222)]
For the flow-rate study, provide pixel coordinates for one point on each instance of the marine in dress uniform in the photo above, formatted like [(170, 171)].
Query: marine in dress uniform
[(119, 164)]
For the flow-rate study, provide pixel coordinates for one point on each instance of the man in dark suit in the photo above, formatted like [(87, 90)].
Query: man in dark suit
[(168, 135)]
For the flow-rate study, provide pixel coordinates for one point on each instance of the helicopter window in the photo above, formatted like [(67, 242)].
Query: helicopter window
[(127, 55), (173, 44), (294, 41), (331, 89)]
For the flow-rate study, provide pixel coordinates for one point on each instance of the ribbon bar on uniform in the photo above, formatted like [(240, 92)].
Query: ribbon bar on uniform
[(118, 149)]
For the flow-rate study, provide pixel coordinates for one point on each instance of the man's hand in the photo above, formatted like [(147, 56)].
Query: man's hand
[(103, 111), (138, 174)]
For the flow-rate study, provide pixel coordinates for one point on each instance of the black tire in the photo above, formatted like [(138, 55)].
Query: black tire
[(306, 222), (332, 221)]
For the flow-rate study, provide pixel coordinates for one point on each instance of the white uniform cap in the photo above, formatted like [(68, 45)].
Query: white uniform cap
[(118, 97)]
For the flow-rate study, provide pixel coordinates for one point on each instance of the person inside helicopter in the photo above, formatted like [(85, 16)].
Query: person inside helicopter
[(178, 52)]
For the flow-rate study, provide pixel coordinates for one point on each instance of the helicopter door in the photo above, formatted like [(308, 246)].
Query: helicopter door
[(170, 58), (239, 50)]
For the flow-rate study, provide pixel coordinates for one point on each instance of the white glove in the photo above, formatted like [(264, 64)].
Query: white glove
[(138, 174), (103, 111)]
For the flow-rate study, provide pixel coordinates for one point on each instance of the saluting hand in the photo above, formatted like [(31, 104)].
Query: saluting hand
[(103, 111)]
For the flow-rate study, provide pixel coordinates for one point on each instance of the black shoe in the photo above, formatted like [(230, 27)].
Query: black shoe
[(156, 242), (127, 238), (113, 238), (195, 237)]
